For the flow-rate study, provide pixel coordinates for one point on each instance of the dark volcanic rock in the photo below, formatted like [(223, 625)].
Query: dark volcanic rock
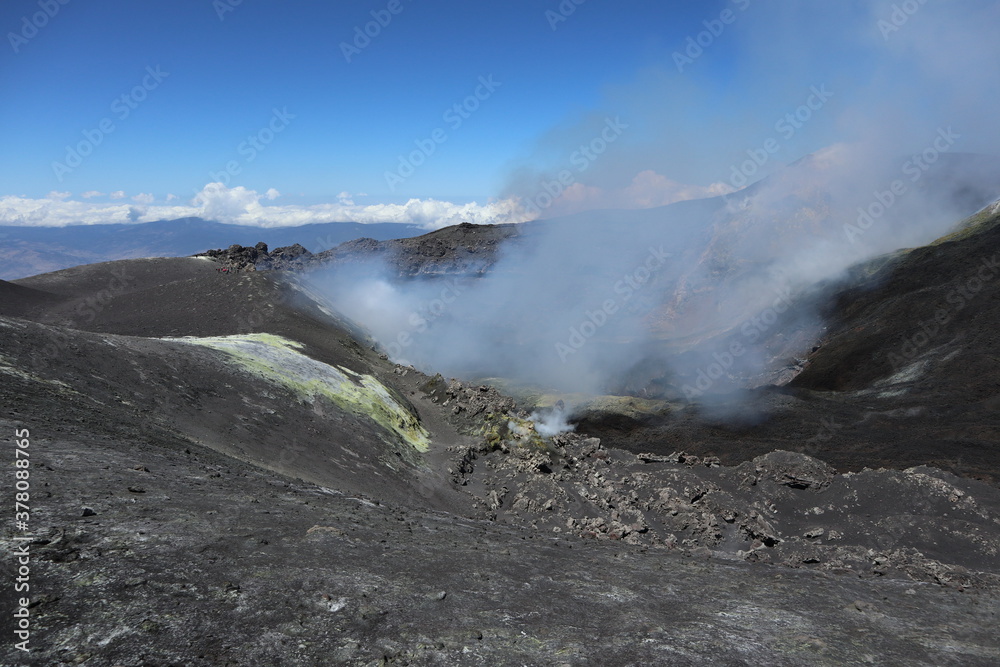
[(461, 250), (287, 257), (221, 563), (792, 469), (237, 258)]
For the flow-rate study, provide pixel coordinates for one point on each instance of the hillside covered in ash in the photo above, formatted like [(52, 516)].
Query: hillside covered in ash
[(227, 470), (869, 367), (30, 250), (464, 250)]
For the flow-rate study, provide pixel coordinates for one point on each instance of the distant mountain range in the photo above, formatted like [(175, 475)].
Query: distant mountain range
[(28, 251)]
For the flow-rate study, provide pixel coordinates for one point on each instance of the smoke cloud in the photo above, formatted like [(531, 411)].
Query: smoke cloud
[(842, 132)]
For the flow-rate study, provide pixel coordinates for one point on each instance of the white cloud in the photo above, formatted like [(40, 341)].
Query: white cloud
[(90, 194), (217, 202), (242, 206), (648, 189), (171, 197), (54, 213)]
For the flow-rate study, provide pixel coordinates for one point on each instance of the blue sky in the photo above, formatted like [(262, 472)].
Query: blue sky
[(231, 71)]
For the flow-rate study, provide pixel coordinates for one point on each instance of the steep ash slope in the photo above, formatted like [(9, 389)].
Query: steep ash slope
[(229, 362), (18, 300), (923, 324)]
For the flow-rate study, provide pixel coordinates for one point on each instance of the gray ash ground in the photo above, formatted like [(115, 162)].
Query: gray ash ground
[(189, 511)]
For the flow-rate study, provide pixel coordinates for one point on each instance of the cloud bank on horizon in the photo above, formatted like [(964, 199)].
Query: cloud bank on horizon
[(242, 206)]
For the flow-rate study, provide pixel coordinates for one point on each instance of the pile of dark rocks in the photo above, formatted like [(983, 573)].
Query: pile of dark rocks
[(237, 258)]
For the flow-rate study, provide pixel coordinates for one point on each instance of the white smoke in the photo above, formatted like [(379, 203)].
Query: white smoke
[(703, 296), (551, 421)]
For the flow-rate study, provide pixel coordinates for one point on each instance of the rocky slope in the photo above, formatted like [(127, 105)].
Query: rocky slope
[(901, 376), (225, 472), (464, 250)]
